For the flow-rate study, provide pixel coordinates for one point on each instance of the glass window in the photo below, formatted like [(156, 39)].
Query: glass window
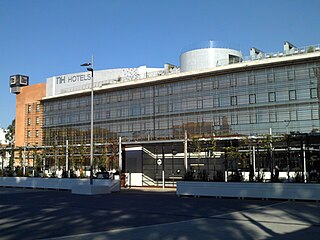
[(252, 98), (29, 121), (215, 83), (216, 101), (292, 95), (272, 117), (233, 81), (234, 119), (293, 115), (271, 96), (37, 133), (162, 108), (251, 79), (314, 114), (199, 86), (311, 72), (38, 108), (199, 103), (28, 134), (270, 77), (290, 73), (313, 93), (253, 117), (37, 120), (216, 120), (233, 100), (29, 108)]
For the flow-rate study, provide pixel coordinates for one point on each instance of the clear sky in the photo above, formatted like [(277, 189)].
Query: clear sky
[(44, 38)]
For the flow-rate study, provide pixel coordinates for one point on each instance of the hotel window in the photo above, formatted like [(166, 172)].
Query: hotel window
[(252, 98), (233, 100), (271, 96), (233, 81), (37, 133), (314, 114), (199, 104), (28, 134), (234, 119), (313, 93), (38, 108), (199, 86), (290, 73), (37, 120), (270, 77), (293, 115), (216, 101), (29, 108), (29, 121), (292, 95), (251, 79), (311, 72), (215, 83), (216, 120), (253, 117), (272, 117)]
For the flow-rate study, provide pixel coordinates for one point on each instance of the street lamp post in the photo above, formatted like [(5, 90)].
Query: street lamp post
[(90, 69)]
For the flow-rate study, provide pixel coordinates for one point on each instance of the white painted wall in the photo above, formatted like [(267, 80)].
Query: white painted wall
[(250, 190), (72, 82), (205, 58)]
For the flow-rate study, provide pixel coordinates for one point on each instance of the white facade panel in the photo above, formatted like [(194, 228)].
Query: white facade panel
[(61, 84), (206, 58)]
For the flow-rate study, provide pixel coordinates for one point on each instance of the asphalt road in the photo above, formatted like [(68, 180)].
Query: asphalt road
[(134, 214)]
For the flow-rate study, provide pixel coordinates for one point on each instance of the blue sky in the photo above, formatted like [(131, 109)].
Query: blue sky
[(44, 38)]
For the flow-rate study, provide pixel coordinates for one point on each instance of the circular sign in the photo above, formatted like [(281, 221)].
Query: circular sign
[(159, 162)]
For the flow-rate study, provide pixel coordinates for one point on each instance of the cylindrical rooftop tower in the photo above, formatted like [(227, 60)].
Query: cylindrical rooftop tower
[(208, 55)]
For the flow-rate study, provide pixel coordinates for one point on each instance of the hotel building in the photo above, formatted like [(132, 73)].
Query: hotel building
[(215, 93)]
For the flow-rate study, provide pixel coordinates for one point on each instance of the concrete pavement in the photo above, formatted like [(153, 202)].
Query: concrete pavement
[(137, 214)]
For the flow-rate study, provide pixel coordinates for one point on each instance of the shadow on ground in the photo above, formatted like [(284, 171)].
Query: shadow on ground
[(135, 214)]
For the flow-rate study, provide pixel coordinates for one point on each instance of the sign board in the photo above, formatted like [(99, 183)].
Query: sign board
[(159, 162)]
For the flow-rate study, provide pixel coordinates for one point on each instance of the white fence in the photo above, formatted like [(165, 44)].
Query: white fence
[(106, 185), (290, 191)]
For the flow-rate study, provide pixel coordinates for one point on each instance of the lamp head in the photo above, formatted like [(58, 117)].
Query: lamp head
[(85, 64)]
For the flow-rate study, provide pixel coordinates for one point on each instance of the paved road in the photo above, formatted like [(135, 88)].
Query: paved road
[(134, 214)]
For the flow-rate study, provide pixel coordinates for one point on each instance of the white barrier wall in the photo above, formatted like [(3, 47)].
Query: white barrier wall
[(250, 190), (58, 183)]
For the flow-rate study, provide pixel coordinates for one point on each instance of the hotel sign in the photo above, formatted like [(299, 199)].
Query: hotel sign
[(73, 78)]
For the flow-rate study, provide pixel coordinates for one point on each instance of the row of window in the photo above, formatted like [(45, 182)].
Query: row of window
[(37, 133), (241, 117), (29, 108), (136, 110), (37, 121)]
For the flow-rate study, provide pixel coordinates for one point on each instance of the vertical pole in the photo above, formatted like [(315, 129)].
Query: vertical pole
[(271, 158), (91, 128), (304, 163), (67, 157), (120, 157), (24, 159), (163, 183), (185, 147), (254, 160)]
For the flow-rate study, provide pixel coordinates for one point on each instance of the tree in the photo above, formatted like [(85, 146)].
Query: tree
[(10, 139), (10, 133)]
